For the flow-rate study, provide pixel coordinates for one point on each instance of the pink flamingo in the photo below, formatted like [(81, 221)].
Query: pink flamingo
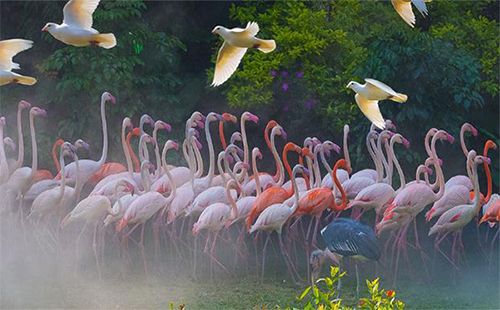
[(456, 218), (22, 178), (379, 195), (89, 167), (462, 179), (213, 218), (91, 210), (274, 217), (23, 105)]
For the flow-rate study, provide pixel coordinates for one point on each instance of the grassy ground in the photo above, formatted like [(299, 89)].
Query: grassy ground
[(137, 292)]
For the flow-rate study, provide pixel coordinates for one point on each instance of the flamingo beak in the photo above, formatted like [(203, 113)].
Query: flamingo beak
[(112, 99)]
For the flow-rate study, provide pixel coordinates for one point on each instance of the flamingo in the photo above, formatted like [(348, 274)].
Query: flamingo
[(50, 201), (266, 179), (342, 175), (23, 105), (145, 206), (4, 166), (91, 210), (379, 195), (461, 179), (214, 217), (22, 178), (274, 217), (275, 194), (89, 167), (456, 218)]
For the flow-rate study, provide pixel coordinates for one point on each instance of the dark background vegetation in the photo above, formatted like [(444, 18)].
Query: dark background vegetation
[(163, 64)]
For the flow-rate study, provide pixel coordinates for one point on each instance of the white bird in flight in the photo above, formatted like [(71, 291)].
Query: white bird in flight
[(369, 94), (236, 43), (76, 28), (9, 49), (403, 7)]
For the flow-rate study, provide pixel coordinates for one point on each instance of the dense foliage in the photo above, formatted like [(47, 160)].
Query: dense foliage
[(163, 64)]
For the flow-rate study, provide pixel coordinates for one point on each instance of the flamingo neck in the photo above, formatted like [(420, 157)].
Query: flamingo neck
[(270, 144), (78, 182), (34, 148), (488, 174), (245, 144), (477, 192), (393, 158), (317, 178), (221, 135), (343, 204), (372, 149), (166, 170), (126, 151), (256, 175), (211, 167), (279, 163), (104, 133), (295, 192), (301, 162), (382, 160), (198, 161), (462, 140), (63, 175), (439, 172), (3, 157), (20, 138), (54, 157), (159, 171), (346, 147), (287, 165), (232, 203), (221, 170)]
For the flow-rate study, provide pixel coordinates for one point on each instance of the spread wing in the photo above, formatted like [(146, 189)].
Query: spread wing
[(227, 62), (421, 6), (404, 10), (251, 30), (371, 110), (78, 13), (9, 49), (374, 83)]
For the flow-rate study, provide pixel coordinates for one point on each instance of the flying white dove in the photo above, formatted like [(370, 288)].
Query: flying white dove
[(76, 28), (403, 7), (9, 49), (236, 43), (369, 94)]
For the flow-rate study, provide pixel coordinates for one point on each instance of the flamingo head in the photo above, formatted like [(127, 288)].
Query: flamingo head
[(450, 138), (199, 124), (136, 132), (198, 144), (490, 145), (472, 129), (24, 105), (81, 144), (173, 144), (163, 125), (236, 136), (228, 117), (108, 97), (35, 111), (256, 153), (390, 125), (251, 117)]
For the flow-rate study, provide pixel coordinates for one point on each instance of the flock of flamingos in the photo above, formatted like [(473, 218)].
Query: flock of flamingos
[(180, 201)]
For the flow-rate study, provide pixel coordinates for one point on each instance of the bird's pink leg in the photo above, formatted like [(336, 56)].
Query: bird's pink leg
[(419, 247), (77, 242), (143, 252), (195, 256), (436, 247), (286, 258), (264, 258), (94, 247)]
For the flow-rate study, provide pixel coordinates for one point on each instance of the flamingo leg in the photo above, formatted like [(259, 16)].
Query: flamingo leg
[(143, 252), (94, 247), (264, 258)]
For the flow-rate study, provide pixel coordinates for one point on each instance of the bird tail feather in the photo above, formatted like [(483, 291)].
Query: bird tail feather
[(266, 46), (399, 98), (106, 40), (25, 80)]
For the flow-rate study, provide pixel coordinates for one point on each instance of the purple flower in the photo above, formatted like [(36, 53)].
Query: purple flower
[(285, 86), (300, 74), (284, 73), (310, 104), (274, 73), (285, 107)]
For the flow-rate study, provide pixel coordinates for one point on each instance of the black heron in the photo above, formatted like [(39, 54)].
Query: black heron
[(345, 238)]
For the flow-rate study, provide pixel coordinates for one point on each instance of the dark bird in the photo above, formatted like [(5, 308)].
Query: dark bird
[(345, 238)]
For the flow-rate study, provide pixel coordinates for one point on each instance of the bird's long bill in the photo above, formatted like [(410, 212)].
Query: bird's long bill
[(44, 28)]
